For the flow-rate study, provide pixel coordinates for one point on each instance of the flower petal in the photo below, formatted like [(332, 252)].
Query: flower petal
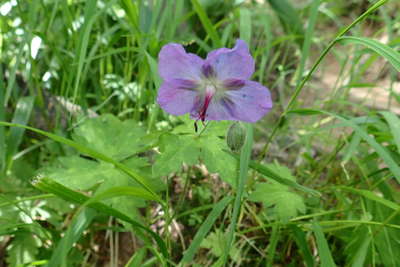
[(236, 63), (175, 63), (249, 103), (177, 96)]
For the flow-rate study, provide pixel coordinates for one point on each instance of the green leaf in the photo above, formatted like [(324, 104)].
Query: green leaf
[(176, 151), (205, 20), (23, 248), (289, 18), (381, 150), (205, 228), (77, 173), (245, 25), (245, 155), (82, 174), (394, 124), (286, 203), (110, 136), (48, 185), (2, 118), (383, 50), (301, 240), (323, 247), (21, 115), (374, 197), (271, 172), (72, 235), (217, 242), (358, 244), (216, 160), (190, 149), (92, 153)]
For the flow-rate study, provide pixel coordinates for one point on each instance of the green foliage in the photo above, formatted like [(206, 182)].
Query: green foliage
[(23, 249), (108, 195), (216, 243), (112, 137), (286, 203), (187, 147), (127, 139), (289, 19)]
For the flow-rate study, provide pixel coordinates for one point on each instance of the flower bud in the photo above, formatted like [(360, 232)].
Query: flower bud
[(236, 136)]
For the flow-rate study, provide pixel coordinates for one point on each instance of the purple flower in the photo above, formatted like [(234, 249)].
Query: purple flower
[(215, 88)]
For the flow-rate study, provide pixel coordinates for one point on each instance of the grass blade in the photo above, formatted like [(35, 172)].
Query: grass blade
[(119, 191), (289, 18), (323, 248), (74, 232), (371, 196), (2, 118), (244, 162), (394, 124), (383, 50), (206, 23), (382, 151), (245, 25), (308, 38), (204, 229), (92, 153), (21, 116), (301, 241), (265, 170), (89, 16), (48, 185), (300, 86), (273, 241), (262, 169)]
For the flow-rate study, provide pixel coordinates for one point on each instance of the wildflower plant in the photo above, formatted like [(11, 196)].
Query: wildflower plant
[(215, 88), (121, 183)]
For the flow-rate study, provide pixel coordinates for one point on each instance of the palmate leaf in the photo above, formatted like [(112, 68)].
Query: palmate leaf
[(110, 136), (216, 160), (185, 147), (82, 174), (175, 150), (117, 139), (216, 242), (23, 249), (285, 203)]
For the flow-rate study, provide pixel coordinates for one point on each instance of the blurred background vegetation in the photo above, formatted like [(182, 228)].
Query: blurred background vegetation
[(64, 61)]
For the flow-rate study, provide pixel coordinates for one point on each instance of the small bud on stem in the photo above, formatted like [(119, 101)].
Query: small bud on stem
[(236, 136)]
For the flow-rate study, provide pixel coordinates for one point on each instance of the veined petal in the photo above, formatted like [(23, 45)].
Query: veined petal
[(236, 63), (175, 63), (248, 103), (177, 96)]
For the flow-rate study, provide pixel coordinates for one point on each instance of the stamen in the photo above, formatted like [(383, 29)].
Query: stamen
[(203, 110)]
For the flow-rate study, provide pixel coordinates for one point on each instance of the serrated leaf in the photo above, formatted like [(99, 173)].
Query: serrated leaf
[(186, 146), (22, 249), (216, 242), (82, 174), (214, 128), (117, 139), (282, 170), (216, 160), (176, 151), (110, 136), (285, 203), (77, 173)]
